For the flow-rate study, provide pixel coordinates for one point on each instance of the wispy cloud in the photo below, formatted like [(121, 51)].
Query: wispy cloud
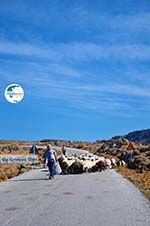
[(77, 51), (75, 20), (73, 52), (110, 99)]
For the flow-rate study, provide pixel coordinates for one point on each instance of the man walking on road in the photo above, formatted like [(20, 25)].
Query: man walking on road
[(51, 156)]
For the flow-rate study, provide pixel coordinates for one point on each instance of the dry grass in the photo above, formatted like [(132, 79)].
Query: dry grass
[(10, 170), (141, 180)]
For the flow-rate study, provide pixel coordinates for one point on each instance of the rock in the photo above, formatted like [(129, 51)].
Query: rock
[(131, 164)]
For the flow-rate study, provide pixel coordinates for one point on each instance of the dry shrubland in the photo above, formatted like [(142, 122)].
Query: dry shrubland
[(13, 147), (8, 171), (141, 180)]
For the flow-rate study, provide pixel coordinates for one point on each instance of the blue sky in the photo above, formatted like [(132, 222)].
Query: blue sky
[(84, 66)]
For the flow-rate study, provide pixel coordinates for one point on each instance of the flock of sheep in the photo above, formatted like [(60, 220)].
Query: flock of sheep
[(82, 163)]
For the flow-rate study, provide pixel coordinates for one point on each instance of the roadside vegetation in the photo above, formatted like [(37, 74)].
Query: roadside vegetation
[(8, 171), (141, 180)]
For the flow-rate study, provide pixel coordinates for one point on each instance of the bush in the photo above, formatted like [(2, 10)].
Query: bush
[(3, 177), (10, 170)]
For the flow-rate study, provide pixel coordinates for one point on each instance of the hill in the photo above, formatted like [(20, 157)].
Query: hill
[(139, 136)]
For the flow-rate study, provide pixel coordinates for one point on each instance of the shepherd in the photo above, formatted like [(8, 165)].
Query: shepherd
[(51, 157)]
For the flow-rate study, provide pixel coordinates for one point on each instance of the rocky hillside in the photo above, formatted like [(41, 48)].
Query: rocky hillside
[(139, 136)]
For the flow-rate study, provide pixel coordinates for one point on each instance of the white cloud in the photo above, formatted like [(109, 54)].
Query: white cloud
[(59, 80), (77, 51)]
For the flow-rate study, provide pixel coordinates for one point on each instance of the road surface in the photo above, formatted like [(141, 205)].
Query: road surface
[(72, 150), (97, 199)]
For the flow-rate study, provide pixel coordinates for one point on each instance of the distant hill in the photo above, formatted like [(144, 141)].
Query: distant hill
[(139, 136)]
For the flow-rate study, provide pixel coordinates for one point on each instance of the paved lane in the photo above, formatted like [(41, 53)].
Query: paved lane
[(73, 150), (104, 199)]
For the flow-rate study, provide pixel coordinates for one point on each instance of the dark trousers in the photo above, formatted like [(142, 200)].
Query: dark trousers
[(51, 166)]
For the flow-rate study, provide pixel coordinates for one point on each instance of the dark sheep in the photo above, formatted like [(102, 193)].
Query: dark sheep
[(99, 166), (120, 163), (140, 168), (131, 164), (63, 165), (76, 168)]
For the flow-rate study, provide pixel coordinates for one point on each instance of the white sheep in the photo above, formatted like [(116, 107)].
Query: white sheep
[(113, 163), (121, 163), (88, 164), (108, 163)]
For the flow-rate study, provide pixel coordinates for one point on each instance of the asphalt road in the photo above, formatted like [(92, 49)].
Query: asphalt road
[(98, 199), (72, 150)]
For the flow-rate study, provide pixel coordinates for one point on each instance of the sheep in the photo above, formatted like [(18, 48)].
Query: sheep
[(70, 157), (113, 163), (99, 166), (87, 165), (89, 162), (96, 157), (101, 158), (85, 158), (92, 158), (131, 164), (64, 164), (120, 163), (108, 163), (76, 168), (140, 168), (84, 163)]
